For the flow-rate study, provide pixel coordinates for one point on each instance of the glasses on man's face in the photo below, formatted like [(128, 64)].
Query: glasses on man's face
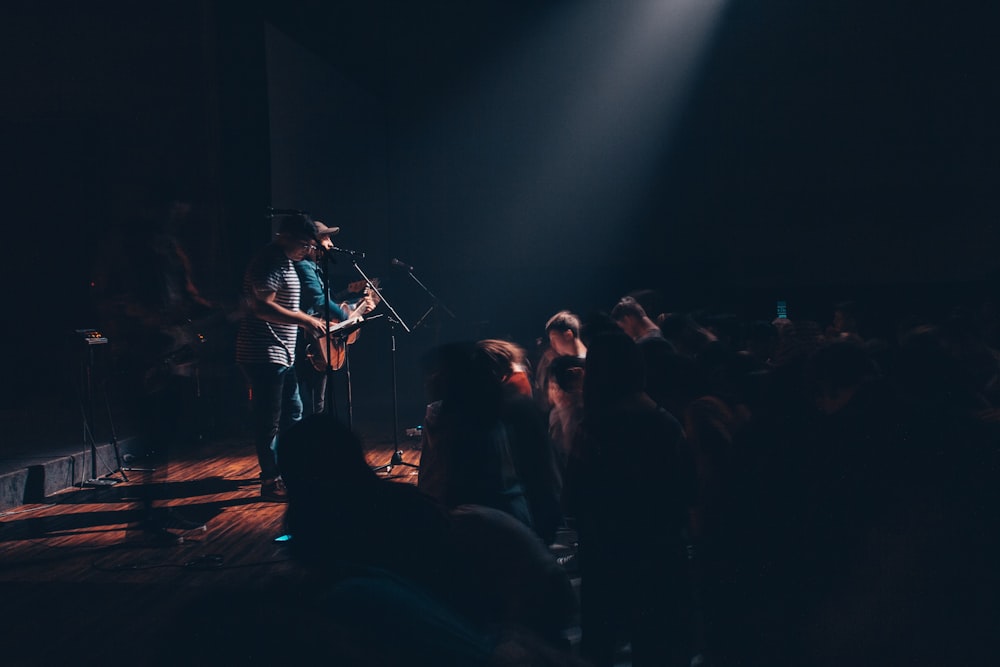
[(307, 246)]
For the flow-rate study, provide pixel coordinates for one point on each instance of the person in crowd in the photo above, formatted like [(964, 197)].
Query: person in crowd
[(724, 327), (651, 301), (670, 376), (267, 339), (563, 333), (524, 422), (562, 337), (469, 585), (634, 321), (465, 453), (798, 339), (759, 343), (780, 393), (629, 470), (685, 333), (510, 363), (565, 391), (845, 322)]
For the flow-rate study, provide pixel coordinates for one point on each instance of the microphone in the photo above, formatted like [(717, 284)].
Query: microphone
[(352, 253), (403, 265), (271, 211)]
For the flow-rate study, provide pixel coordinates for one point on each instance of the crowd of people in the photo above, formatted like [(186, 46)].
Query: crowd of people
[(741, 493), (769, 493)]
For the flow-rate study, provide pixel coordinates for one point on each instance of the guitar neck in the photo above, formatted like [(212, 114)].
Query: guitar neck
[(355, 292)]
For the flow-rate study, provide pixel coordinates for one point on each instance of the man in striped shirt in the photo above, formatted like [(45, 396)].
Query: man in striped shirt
[(265, 343)]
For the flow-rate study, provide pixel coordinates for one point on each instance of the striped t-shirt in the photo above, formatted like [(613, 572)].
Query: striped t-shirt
[(259, 341)]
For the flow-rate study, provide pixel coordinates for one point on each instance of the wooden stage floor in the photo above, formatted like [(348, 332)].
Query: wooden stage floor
[(80, 583)]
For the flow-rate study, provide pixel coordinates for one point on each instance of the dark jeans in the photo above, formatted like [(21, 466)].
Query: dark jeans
[(274, 406), (312, 388)]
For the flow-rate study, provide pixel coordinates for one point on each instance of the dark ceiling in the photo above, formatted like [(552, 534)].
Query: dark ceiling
[(397, 47)]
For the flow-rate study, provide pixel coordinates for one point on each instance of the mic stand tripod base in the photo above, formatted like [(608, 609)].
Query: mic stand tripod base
[(129, 458), (396, 460)]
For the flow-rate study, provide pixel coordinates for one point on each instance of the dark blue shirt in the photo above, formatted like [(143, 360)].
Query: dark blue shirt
[(313, 297)]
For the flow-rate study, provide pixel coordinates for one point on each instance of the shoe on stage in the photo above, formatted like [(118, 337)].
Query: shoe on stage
[(274, 490)]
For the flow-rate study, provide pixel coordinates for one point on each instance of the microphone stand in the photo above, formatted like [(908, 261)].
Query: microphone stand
[(435, 304), (394, 319), (328, 395)]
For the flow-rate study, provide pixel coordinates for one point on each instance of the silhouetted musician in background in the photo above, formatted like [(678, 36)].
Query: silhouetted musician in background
[(149, 307)]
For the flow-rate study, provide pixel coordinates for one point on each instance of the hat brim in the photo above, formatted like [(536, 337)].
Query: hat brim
[(323, 230)]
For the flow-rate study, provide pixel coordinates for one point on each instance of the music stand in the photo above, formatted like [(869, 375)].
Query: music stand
[(88, 407)]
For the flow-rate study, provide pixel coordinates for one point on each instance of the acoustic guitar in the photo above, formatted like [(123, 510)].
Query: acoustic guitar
[(330, 351)]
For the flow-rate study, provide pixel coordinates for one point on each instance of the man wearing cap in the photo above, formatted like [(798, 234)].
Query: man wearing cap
[(315, 301), (265, 343)]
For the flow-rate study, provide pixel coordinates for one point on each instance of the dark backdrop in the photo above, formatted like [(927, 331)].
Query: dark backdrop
[(822, 151)]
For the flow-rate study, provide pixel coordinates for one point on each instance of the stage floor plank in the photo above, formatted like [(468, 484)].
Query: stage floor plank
[(80, 582)]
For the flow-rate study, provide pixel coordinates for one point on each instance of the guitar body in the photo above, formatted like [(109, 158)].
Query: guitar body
[(327, 352), (330, 351)]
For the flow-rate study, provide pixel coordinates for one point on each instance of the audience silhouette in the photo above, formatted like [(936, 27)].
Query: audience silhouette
[(763, 493), (629, 486), (469, 585), (466, 455)]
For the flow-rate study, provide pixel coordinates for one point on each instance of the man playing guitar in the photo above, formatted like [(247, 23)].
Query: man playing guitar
[(319, 354)]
